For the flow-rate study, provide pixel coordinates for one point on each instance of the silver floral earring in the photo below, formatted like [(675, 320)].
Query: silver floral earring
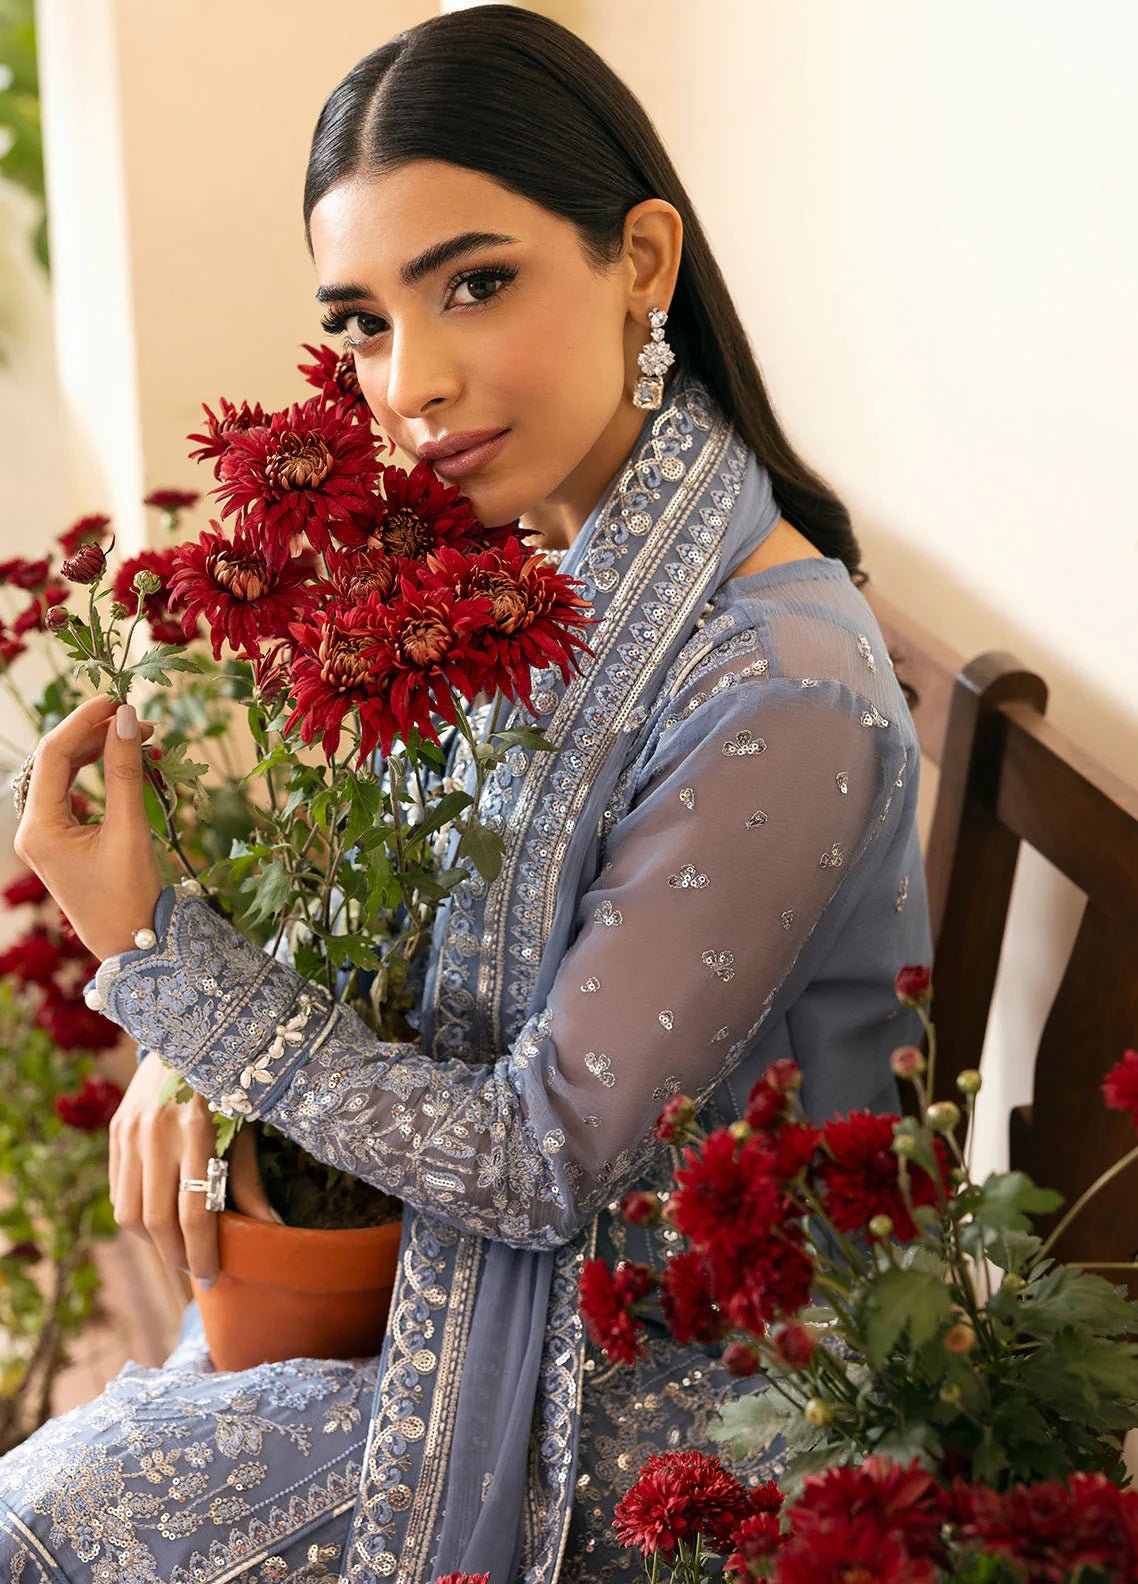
[(655, 358)]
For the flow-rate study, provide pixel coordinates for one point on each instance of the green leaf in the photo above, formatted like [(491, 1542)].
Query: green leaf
[(525, 737), (448, 807), (174, 1087), (484, 847), (226, 1128), (271, 889), (1007, 1199), (900, 1302), (750, 1424), (156, 662)]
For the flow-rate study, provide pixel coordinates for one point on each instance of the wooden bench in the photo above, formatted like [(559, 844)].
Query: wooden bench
[(1007, 776)]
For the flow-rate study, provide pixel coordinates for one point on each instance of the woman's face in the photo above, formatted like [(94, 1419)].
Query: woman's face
[(518, 334)]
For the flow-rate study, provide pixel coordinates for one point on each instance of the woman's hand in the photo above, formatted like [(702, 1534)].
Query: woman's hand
[(151, 1147), (105, 877)]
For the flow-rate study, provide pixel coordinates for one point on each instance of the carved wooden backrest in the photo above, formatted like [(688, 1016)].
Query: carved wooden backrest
[(1008, 776)]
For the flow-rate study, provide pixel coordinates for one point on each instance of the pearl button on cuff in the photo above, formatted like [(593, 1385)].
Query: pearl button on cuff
[(144, 938)]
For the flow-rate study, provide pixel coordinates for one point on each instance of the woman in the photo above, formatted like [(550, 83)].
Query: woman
[(719, 867)]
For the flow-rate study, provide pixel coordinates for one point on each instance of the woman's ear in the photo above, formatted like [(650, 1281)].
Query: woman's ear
[(654, 239)]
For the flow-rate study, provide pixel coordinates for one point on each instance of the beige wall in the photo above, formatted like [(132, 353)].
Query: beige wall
[(919, 209)]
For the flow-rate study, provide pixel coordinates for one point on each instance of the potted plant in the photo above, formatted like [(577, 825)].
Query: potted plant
[(950, 1397), (356, 603)]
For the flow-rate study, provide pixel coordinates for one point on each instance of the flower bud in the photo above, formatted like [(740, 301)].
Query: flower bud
[(1012, 1283), (795, 1344), (118, 610), (784, 1076), (960, 1338), (87, 565), (951, 1394), (146, 582), (741, 1131), (741, 1359), (675, 1119), (668, 1211), (818, 1413), (907, 1062), (913, 984), (969, 1081), (905, 1146), (57, 618), (881, 1226), (943, 1115), (640, 1209)]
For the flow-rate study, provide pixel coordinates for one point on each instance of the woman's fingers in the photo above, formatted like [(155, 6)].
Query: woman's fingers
[(161, 1163), (61, 753), (198, 1225)]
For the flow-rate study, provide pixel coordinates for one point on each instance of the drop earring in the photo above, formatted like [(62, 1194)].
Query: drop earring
[(655, 358)]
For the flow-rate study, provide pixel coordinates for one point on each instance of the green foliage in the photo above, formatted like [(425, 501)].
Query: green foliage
[(53, 1201)]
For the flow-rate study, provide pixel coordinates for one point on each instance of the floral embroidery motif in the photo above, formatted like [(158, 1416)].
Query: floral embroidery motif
[(902, 893), (608, 915), (744, 743), (787, 919), (865, 651), (687, 797), (722, 964), (756, 819), (809, 681), (591, 984), (720, 1034), (832, 859), (670, 1086), (688, 879), (666, 1018), (600, 1066), (873, 717), (843, 780)]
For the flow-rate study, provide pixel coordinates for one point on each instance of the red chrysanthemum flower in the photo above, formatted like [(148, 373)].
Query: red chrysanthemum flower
[(303, 473), (91, 1107), (10, 649), (72, 1025), (242, 597), (28, 888), (34, 616), (395, 662), (862, 1180), (164, 625), (33, 960), (221, 430), (87, 565), (365, 570), (795, 1344), (418, 514), (533, 613), (677, 1496), (757, 1539), (767, 1277), (88, 530), (334, 376), (29, 575), (788, 1151), (882, 1517), (171, 500), (1120, 1086), (913, 984), (606, 1312), (690, 1311), (1050, 1530)]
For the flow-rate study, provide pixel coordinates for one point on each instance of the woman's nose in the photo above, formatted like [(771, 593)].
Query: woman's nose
[(419, 375)]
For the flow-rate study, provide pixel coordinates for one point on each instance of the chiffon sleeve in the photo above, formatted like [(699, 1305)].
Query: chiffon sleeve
[(750, 819)]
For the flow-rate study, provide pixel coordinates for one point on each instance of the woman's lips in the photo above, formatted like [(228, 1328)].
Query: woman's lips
[(460, 463)]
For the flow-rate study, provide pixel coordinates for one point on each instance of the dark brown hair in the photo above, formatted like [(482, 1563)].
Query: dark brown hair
[(523, 100)]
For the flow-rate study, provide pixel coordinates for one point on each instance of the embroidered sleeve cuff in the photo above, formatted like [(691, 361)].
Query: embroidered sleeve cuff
[(231, 1019)]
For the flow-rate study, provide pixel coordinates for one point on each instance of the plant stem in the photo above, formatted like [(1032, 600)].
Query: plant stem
[(1088, 1194)]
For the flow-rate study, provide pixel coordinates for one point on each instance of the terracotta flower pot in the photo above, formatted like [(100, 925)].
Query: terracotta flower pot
[(297, 1292)]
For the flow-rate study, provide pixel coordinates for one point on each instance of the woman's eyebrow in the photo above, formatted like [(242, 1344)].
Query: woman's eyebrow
[(424, 264)]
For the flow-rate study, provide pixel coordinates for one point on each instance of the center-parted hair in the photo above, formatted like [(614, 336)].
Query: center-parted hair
[(524, 101)]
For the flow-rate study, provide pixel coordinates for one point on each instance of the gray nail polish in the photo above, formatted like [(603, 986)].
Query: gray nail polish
[(205, 1282)]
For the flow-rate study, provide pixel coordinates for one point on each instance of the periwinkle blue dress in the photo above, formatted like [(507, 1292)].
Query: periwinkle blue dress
[(719, 867)]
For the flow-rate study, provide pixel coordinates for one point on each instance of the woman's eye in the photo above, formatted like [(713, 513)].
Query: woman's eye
[(476, 283), (366, 323)]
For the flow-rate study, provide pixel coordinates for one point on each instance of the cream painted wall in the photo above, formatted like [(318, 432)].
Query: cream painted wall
[(918, 208)]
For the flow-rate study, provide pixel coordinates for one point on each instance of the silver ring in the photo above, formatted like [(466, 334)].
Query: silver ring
[(212, 1185), (20, 784)]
